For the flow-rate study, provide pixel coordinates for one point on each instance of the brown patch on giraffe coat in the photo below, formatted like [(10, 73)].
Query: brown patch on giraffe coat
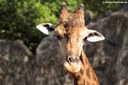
[(94, 78), (92, 72), (88, 73), (88, 83), (78, 78), (82, 71)]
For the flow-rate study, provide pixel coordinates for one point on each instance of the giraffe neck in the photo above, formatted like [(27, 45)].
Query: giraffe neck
[(86, 75)]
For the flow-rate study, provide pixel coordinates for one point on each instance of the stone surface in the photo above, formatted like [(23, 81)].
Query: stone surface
[(17, 64)]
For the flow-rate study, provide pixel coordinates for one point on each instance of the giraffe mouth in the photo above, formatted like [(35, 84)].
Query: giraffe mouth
[(72, 67)]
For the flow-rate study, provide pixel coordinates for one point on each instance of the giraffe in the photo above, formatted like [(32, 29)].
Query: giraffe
[(72, 31)]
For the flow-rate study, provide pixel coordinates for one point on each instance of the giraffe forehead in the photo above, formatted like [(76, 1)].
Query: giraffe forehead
[(77, 33), (74, 25)]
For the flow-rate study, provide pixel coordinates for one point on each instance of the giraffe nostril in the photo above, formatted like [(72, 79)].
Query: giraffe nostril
[(70, 59)]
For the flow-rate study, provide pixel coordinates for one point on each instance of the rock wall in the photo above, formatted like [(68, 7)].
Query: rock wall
[(16, 64)]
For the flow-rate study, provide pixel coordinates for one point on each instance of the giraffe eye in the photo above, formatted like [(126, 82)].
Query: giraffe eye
[(59, 37), (65, 35), (65, 25), (85, 38)]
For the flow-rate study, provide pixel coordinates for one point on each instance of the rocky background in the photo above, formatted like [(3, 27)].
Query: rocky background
[(109, 58)]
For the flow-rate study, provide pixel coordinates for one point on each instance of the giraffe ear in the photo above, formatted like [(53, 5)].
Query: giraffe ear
[(94, 36), (46, 28)]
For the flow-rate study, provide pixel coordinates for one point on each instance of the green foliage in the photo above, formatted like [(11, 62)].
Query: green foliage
[(18, 18), (46, 12), (98, 7), (17, 21)]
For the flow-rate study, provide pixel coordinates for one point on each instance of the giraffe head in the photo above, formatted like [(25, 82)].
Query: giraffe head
[(72, 30)]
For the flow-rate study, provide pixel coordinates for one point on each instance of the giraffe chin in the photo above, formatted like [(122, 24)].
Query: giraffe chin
[(72, 67)]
